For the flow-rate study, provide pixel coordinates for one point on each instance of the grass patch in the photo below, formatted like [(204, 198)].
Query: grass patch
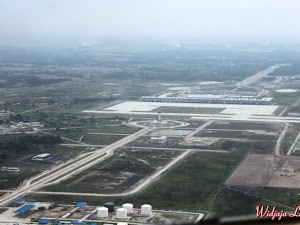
[(246, 126)]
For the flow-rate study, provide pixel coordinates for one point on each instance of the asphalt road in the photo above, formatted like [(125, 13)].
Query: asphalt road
[(70, 168)]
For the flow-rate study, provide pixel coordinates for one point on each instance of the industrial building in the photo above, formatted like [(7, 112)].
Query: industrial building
[(211, 100), (159, 140), (23, 210), (40, 157)]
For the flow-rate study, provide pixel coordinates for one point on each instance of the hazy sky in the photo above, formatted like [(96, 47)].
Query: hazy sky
[(149, 18)]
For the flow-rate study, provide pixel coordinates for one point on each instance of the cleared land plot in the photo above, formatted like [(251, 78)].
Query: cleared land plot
[(167, 109), (246, 126), (267, 171), (101, 139), (171, 218), (119, 173)]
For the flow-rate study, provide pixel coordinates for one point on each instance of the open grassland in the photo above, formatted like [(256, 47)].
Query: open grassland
[(76, 133), (246, 126), (190, 183), (118, 173)]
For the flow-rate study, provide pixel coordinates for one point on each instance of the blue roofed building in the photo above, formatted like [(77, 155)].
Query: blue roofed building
[(45, 221), (19, 202), (81, 206), (26, 208)]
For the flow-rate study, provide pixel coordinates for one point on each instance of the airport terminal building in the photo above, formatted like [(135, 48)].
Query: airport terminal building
[(210, 100)]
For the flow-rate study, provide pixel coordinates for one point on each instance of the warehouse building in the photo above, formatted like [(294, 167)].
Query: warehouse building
[(41, 157)]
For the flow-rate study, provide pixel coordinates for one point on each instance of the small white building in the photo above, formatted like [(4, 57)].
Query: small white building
[(41, 157), (159, 140), (10, 169)]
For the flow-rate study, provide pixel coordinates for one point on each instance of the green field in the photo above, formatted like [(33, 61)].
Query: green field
[(246, 126), (120, 172), (190, 183), (76, 133)]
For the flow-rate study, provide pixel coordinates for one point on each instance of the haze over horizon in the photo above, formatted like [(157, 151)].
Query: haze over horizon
[(171, 19)]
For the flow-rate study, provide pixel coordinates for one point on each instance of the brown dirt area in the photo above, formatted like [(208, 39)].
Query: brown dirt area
[(267, 171)]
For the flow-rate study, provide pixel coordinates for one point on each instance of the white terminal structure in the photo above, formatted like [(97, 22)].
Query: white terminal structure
[(121, 213), (146, 209), (102, 212), (128, 207)]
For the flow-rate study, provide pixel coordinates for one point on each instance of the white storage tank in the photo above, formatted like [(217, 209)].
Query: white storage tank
[(102, 212), (146, 209), (129, 207), (121, 213)]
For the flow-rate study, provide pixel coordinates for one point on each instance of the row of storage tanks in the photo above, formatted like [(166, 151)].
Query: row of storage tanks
[(122, 213)]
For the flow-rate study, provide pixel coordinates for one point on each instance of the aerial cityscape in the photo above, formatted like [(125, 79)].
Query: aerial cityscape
[(125, 131)]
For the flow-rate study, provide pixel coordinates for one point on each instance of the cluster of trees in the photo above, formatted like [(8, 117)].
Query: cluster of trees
[(92, 100), (29, 81), (24, 144), (291, 70)]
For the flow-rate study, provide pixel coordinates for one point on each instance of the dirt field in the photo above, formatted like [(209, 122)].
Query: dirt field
[(267, 171)]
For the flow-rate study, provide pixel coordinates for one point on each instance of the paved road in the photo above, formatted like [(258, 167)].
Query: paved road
[(235, 117), (279, 140), (138, 188), (254, 78), (31, 110), (291, 150), (69, 168), (190, 135)]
